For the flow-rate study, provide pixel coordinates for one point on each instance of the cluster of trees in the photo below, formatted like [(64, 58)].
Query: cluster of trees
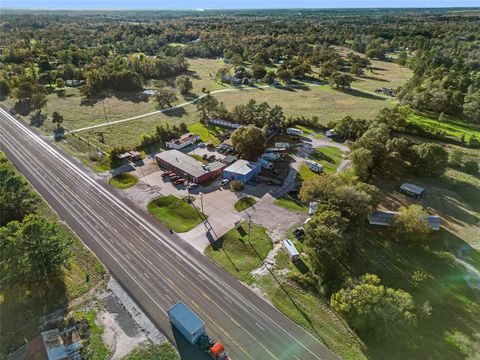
[(343, 205), (32, 248), (378, 153), (163, 133)]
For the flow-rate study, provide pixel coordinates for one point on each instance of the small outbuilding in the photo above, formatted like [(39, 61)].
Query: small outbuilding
[(183, 141), (291, 250), (412, 189), (242, 170), (382, 218)]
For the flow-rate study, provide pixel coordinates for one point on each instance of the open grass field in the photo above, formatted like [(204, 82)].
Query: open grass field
[(322, 101), (234, 253), (305, 173), (453, 127), (210, 133), (329, 156), (123, 180), (244, 203), (176, 213)]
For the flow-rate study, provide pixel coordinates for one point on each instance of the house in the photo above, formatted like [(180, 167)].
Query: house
[(291, 250), (131, 155), (183, 141), (386, 218), (242, 170), (412, 190), (188, 167)]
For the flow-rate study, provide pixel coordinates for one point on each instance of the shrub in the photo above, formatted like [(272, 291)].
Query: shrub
[(236, 185)]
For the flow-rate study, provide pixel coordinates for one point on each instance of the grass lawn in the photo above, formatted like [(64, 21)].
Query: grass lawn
[(330, 157), (176, 213), (244, 203), (453, 127), (94, 345), (165, 351), (305, 173), (306, 130), (233, 252), (208, 133), (290, 203), (123, 180)]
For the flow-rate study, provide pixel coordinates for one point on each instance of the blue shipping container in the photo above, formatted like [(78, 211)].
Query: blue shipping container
[(186, 321)]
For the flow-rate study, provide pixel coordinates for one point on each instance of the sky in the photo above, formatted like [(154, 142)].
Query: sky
[(224, 4)]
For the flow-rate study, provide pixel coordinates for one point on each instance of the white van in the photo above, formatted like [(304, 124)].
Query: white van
[(314, 166), (312, 207)]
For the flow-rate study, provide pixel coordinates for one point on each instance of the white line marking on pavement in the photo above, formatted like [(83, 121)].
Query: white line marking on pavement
[(168, 297), (146, 275), (260, 326), (226, 298)]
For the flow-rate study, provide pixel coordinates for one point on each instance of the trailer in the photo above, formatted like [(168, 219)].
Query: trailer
[(193, 329), (186, 321), (294, 131), (291, 250)]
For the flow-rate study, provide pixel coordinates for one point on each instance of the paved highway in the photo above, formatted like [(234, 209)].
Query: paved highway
[(156, 268)]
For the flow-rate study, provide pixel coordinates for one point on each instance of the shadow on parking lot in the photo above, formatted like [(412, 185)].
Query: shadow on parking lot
[(186, 350)]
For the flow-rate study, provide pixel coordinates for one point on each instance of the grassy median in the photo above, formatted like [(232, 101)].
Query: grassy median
[(176, 213), (244, 203)]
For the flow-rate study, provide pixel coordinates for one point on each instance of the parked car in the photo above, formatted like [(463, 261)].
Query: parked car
[(201, 144), (174, 178), (166, 173), (224, 182), (192, 186), (172, 174), (179, 181), (204, 156), (211, 158)]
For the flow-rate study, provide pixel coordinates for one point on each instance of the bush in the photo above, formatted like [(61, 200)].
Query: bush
[(470, 167), (236, 185)]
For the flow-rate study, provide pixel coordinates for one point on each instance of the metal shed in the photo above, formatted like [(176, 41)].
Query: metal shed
[(412, 189), (186, 321), (291, 250)]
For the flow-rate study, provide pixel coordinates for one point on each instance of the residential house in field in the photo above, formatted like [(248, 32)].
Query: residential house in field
[(386, 218), (183, 141)]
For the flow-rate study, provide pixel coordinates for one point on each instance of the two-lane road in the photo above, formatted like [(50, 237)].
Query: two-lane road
[(154, 266)]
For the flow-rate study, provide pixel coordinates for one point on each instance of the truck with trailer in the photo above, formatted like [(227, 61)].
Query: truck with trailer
[(193, 329)]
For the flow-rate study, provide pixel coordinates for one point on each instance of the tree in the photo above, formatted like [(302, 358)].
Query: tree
[(372, 308), (38, 100), (60, 84), (431, 159), (471, 167), (221, 73), (236, 60), (362, 162), (326, 246), (340, 80), (164, 98), (258, 71), (285, 75), (207, 106), (57, 119), (269, 77), (411, 221), (184, 84), (4, 88), (32, 250), (249, 142), (351, 129), (471, 107)]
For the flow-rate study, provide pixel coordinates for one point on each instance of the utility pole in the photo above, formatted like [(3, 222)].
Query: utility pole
[(201, 201), (249, 228)]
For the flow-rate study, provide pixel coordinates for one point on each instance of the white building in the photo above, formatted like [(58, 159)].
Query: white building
[(183, 141)]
